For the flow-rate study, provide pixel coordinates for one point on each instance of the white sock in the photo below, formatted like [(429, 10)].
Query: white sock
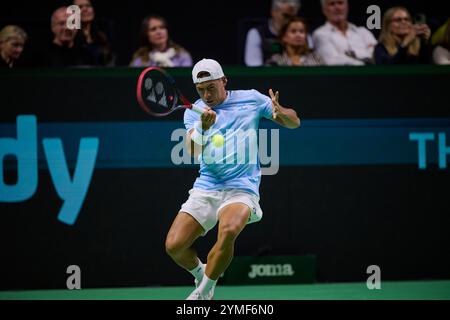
[(198, 271), (206, 285)]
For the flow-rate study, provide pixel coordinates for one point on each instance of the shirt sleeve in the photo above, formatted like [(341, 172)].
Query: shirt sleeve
[(190, 117), (441, 55), (370, 42), (264, 103), (253, 50), (136, 62), (186, 60), (369, 37)]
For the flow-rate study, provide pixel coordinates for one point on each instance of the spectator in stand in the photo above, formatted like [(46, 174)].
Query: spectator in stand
[(340, 42), (91, 39), (441, 54), (157, 49), (12, 42), (402, 42), (262, 41), (296, 52), (62, 52)]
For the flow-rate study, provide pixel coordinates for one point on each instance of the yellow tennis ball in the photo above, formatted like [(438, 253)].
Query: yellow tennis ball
[(217, 140)]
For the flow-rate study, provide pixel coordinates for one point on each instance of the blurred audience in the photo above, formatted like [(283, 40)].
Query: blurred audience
[(91, 39), (262, 41), (340, 42), (441, 54), (281, 40), (157, 49), (296, 52), (401, 41), (12, 42)]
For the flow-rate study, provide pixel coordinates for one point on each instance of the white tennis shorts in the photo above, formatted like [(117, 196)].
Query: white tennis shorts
[(205, 205)]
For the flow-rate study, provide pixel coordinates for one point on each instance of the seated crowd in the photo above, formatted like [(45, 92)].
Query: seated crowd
[(284, 39)]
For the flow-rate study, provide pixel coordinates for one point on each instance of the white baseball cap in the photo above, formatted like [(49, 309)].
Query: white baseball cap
[(207, 65)]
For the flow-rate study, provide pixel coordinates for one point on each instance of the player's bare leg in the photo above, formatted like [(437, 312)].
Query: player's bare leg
[(182, 234), (232, 220)]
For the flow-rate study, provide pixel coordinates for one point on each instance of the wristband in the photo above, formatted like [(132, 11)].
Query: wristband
[(199, 135)]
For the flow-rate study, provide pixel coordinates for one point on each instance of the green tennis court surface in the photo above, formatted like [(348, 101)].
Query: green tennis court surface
[(420, 290)]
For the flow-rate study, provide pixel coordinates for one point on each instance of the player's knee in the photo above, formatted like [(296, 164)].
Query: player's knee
[(229, 233), (173, 247)]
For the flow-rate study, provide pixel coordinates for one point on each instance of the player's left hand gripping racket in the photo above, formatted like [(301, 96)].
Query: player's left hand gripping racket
[(158, 95)]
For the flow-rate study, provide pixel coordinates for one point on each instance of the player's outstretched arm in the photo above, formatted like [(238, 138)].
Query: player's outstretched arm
[(283, 116)]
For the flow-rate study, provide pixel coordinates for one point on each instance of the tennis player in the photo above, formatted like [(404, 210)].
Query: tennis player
[(227, 190)]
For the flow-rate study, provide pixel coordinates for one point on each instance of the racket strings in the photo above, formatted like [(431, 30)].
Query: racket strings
[(156, 94)]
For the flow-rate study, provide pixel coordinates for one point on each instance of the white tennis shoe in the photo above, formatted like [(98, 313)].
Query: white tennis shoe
[(196, 295)]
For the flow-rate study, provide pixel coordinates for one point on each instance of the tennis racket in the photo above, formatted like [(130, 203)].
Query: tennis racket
[(158, 95)]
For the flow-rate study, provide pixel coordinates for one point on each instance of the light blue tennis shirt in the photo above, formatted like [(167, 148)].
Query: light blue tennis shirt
[(233, 164)]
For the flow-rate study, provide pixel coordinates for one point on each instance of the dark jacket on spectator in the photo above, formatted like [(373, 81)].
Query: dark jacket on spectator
[(19, 63), (57, 56), (270, 43), (97, 53), (402, 57), (3, 64)]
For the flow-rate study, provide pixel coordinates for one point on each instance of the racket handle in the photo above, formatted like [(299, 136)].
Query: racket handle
[(200, 110), (197, 109)]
